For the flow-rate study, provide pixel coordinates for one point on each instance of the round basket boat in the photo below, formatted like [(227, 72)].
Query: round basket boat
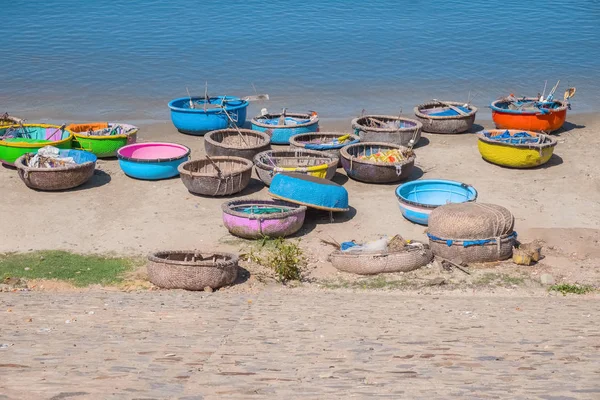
[(367, 263), (327, 142), (439, 117), (59, 177), (103, 138), (192, 270), (280, 134), (387, 129), (255, 219), (152, 160), (309, 191), (219, 176), (310, 162), (547, 118), (17, 140), (228, 142), (417, 199), (207, 116), (472, 232), (515, 149), (391, 169)]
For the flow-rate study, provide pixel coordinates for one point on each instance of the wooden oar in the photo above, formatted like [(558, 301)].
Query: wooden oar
[(219, 172), (60, 128), (458, 110), (235, 126)]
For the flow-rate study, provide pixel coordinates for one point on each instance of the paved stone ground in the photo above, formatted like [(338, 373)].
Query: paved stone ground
[(309, 344)]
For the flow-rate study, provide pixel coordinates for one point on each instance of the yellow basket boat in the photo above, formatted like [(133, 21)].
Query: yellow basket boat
[(515, 148)]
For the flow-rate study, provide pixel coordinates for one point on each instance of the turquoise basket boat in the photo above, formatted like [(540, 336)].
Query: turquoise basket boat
[(417, 199), (201, 119), (296, 124), (309, 191)]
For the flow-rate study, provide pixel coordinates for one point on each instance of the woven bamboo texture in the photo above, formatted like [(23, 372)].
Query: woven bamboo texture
[(202, 177), (445, 124), (307, 162), (52, 179), (229, 142), (516, 155), (372, 171), (192, 270), (377, 263), (454, 227), (400, 136)]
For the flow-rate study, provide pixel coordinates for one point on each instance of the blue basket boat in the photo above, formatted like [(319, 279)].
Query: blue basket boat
[(309, 191), (153, 160), (201, 119), (295, 124), (418, 198)]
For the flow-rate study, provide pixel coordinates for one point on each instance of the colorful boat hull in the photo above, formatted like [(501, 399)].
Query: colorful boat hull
[(515, 156), (101, 146), (281, 134), (10, 151), (529, 121), (249, 226), (197, 121), (417, 199), (147, 167), (309, 191)]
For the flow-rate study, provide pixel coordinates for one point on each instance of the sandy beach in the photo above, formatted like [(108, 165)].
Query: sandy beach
[(558, 203)]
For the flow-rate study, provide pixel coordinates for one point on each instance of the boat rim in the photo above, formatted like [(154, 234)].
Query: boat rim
[(254, 121), (293, 209), (418, 124), (423, 205), (210, 110), (418, 113), (155, 160), (495, 108)]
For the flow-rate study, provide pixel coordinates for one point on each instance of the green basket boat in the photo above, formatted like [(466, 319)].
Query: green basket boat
[(103, 138), (16, 140)]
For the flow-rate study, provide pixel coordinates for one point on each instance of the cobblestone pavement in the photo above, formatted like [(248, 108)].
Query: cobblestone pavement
[(309, 344)]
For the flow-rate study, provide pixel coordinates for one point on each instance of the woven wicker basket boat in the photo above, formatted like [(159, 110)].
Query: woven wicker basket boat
[(375, 263), (472, 232), (308, 162), (202, 177), (374, 171), (228, 142), (324, 142), (192, 270), (402, 133), (57, 178), (247, 219), (515, 155), (444, 123)]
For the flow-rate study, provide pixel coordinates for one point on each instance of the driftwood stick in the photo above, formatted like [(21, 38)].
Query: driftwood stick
[(458, 110), (219, 172), (454, 264)]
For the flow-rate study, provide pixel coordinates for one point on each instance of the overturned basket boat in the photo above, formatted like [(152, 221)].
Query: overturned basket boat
[(445, 116), (255, 219), (216, 176), (392, 169), (366, 263), (17, 140), (192, 270), (514, 148), (472, 232), (327, 142), (60, 177), (103, 139), (243, 143), (309, 191), (310, 162), (387, 129), (295, 124)]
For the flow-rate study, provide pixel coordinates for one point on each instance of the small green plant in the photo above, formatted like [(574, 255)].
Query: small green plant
[(284, 257), (566, 288)]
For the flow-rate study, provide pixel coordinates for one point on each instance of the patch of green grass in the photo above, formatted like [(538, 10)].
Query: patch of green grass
[(377, 282), (566, 288), (77, 269), (284, 257)]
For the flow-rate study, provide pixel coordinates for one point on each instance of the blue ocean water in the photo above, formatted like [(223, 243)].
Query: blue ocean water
[(125, 59)]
